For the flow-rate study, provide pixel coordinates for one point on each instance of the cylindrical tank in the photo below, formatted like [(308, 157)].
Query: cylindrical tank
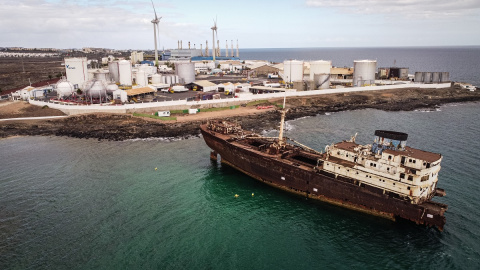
[(427, 77), (445, 77), (419, 76), (101, 75), (168, 79), (114, 74), (364, 72), (65, 89), (320, 67), (96, 90), (76, 70), (156, 78), (403, 73), (125, 72), (141, 78), (177, 79), (185, 70), (164, 79), (111, 88), (293, 70), (435, 77), (321, 81)]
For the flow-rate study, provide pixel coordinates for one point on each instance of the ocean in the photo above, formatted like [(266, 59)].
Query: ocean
[(462, 62), (163, 204)]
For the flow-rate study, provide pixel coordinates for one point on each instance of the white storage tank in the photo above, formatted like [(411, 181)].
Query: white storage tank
[(164, 79), (141, 78), (125, 72), (111, 88), (320, 73), (292, 70), (76, 70), (113, 68), (185, 71), (177, 79), (321, 81), (156, 78), (65, 89), (101, 75), (364, 72), (168, 80), (96, 89)]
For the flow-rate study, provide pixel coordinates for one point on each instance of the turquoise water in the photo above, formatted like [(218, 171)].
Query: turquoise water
[(82, 204)]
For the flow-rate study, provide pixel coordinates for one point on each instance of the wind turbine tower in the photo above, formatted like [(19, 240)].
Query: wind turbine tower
[(214, 31), (226, 48), (155, 31)]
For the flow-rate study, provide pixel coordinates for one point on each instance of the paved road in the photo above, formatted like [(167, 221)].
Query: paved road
[(33, 118)]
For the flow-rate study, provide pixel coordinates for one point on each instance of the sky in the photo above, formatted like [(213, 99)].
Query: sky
[(126, 24)]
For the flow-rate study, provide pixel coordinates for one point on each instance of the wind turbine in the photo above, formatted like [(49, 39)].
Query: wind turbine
[(155, 31), (214, 32)]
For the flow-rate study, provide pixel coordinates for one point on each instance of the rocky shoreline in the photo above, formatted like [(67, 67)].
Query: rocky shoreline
[(120, 127)]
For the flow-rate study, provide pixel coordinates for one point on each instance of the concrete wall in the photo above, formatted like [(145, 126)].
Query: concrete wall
[(184, 104)]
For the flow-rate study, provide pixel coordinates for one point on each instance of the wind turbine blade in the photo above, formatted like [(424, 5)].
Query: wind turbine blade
[(154, 10)]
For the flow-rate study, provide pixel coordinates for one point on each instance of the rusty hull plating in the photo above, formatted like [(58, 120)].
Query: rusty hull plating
[(394, 181)]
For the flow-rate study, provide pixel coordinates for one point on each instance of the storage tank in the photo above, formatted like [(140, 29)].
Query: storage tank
[(141, 78), (444, 77), (321, 81), (419, 76), (65, 89), (427, 77), (364, 72), (96, 89), (125, 72), (320, 67), (293, 70), (435, 77), (177, 79), (186, 71), (320, 73), (113, 69), (168, 79), (164, 79), (101, 75), (111, 88), (156, 78), (76, 70)]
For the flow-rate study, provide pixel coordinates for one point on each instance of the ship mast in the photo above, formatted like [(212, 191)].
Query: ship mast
[(281, 140)]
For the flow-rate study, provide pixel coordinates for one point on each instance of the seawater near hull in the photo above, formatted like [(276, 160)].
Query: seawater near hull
[(321, 185)]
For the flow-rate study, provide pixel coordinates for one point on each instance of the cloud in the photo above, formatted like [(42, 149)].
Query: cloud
[(68, 24), (405, 8)]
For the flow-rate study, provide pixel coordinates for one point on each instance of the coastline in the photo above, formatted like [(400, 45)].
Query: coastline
[(119, 127)]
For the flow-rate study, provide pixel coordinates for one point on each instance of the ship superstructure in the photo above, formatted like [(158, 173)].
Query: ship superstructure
[(386, 178)]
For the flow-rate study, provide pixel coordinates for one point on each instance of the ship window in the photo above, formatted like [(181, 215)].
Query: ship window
[(428, 165), (410, 160), (346, 155), (388, 169), (408, 188), (414, 171), (414, 161), (402, 175), (338, 153), (394, 184), (410, 178), (389, 157)]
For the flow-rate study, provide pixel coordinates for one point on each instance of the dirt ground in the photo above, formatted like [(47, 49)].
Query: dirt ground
[(15, 109)]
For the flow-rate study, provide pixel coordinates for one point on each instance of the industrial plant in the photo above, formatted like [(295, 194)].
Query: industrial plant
[(194, 74)]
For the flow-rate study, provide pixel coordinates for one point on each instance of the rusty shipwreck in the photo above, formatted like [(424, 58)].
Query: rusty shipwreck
[(387, 178)]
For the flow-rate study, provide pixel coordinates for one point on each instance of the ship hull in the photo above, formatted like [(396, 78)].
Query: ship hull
[(321, 185)]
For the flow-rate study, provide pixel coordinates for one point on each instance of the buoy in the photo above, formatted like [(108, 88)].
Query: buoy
[(236, 195), (155, 168), (252, 194)]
